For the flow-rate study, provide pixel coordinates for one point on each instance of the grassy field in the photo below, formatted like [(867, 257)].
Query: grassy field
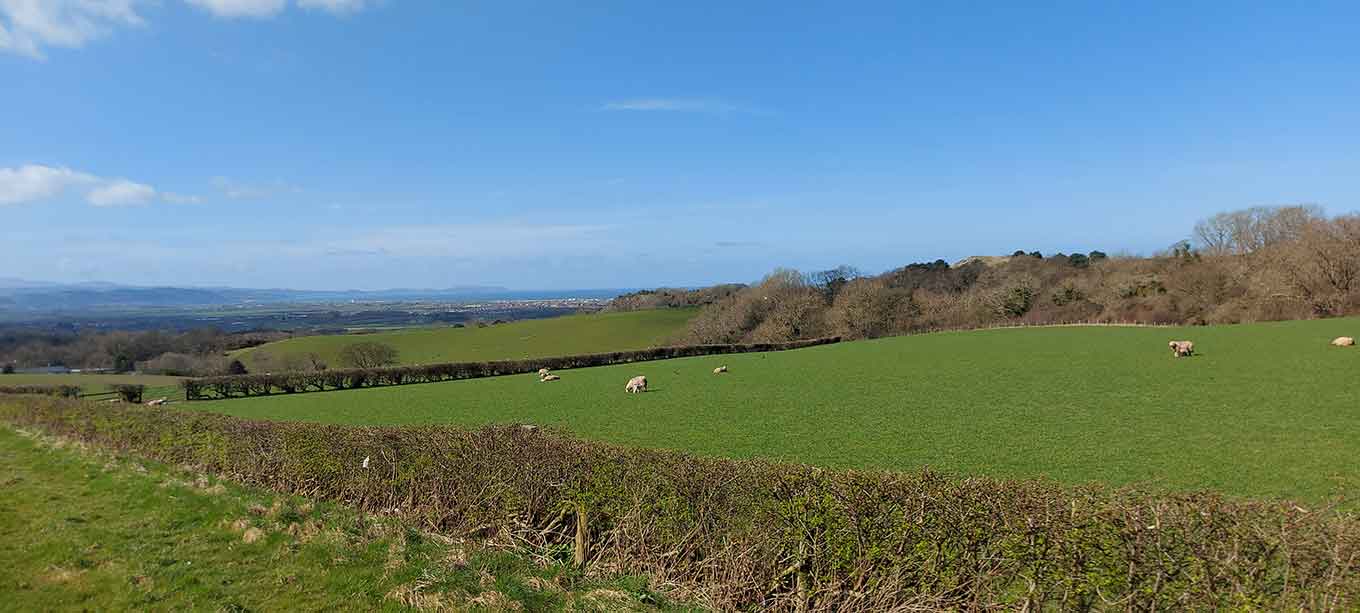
[(91, 532), (1262, 410), (572, 334), (156, 385)]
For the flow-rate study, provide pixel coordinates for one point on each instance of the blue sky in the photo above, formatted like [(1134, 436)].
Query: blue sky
[(422, 143)]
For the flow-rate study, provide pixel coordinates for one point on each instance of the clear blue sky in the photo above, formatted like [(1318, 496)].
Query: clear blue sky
[(424, 143)]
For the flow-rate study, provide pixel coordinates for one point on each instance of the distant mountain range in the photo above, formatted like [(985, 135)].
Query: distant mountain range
[(25, 295)]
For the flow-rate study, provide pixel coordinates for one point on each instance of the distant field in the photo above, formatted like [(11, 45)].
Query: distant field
[(571, 334), (1263, 410), (156, 385)]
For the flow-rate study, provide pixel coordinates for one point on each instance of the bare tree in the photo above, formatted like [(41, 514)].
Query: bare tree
[(368, 354), (1324, 264), (1253, 229)]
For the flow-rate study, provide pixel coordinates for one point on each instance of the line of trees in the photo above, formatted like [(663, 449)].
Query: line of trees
[(189, 353), (1259, 264), (263, 384)]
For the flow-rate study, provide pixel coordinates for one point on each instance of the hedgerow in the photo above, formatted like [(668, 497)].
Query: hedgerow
[(239, 386), (745, 534), (64, 391)]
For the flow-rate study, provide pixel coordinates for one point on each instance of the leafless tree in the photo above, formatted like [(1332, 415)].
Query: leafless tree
[(368, 354)]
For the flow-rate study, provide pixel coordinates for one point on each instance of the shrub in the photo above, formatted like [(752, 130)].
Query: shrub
[(129, 392), (369, 354), (236, 368), (7, 369), (754, 535), (64, 391)]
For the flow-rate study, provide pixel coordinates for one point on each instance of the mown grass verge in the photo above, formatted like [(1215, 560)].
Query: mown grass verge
[(758, 535), (85, 529)]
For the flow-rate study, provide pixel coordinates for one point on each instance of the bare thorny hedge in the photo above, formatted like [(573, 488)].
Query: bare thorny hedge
[(742, 534)]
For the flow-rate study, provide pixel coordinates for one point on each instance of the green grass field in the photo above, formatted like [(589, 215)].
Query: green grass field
[(91, 532), (1262, 410), (534, 338), (156, 385)]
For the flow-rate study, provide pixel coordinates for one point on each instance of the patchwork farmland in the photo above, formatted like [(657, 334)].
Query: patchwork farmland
[(571, 334), (1261, 410)]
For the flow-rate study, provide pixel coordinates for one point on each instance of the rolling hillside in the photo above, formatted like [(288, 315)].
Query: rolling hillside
[(1262, 410), (572, 334)]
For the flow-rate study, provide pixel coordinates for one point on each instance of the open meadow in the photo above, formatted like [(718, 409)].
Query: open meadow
[(96, 385), (1261, 410), (570, 334)]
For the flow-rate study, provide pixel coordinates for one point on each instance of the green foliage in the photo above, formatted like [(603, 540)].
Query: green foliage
[(1077, 404), (751, 532), (129, 392), (65, 391), (236, 368)]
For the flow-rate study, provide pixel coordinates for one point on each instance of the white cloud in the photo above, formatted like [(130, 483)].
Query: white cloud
[(27, 26), (676, 105), (121, 192), (338, 7), (33, 182), (237, 190), (36, 183), (494, 239), (241, 8), (174, 198)]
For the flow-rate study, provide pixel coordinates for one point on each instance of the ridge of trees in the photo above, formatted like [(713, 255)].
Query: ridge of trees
[(1258, 264)]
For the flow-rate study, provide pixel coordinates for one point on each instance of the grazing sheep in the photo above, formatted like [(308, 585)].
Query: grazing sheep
[(1343, 341), (1182, 349), (543, 372), (719, 370), (549, 378), (636, 385)]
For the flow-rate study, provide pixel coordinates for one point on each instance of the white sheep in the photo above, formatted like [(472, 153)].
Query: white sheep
[(720, 370), (636, 385), (1343, 341)]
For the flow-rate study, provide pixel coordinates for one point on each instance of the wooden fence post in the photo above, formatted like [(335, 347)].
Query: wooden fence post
[(581, 534)]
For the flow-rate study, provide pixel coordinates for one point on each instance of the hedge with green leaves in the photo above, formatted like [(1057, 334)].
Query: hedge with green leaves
[(64, 391), (754, 535), (240, 386)]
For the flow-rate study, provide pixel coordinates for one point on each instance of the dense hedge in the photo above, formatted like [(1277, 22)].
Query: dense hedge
[(755, 535), (65, 391), (129, 392), (237, 386)]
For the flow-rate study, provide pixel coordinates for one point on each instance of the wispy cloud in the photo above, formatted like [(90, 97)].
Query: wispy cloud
[(32, 183), (735, 244), (678, 105), (28, 27), (494, 239), (238, 190), (232, 9), (263, 9)]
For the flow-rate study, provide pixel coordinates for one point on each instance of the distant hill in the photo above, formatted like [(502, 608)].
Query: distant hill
[(23, 295)]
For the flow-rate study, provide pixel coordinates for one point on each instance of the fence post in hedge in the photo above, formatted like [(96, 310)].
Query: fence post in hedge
[(581, 533), (800, 580)]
